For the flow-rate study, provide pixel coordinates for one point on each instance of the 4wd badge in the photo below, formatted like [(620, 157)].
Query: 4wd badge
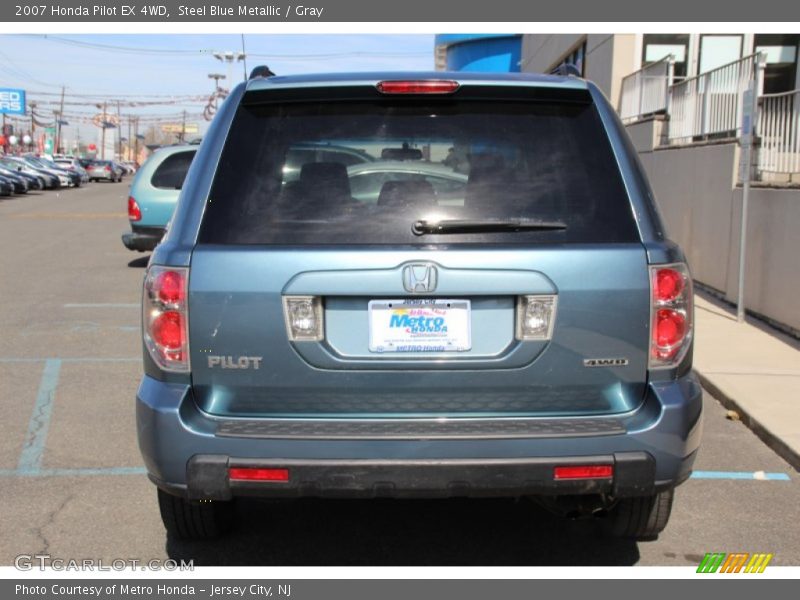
[(605, 362)]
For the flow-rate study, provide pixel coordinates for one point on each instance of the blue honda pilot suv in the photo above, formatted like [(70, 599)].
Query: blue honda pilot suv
[(522, 329)]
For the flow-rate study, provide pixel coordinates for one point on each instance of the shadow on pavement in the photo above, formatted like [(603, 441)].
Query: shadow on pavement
[(139, 263), (405, 532)]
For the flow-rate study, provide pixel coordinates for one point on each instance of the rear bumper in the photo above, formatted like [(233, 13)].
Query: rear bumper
[(186, 455), (143, 239), (207, 477)]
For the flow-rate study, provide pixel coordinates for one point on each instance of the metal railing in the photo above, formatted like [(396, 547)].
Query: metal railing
[(646, 91), (710, 104), (779, 133)]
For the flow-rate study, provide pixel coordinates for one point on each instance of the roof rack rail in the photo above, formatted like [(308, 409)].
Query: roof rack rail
[(566, 70), (261, 71)]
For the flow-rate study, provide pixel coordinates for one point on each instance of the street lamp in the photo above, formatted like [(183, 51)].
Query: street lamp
[(230, 57), (216, 77)]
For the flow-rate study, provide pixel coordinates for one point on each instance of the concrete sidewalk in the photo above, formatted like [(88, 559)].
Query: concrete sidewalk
[(753, 369)]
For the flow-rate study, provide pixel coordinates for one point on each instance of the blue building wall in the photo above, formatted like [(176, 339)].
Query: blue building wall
[(493, 53)]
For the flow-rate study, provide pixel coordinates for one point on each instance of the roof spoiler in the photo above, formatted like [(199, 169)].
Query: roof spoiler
[(261, 71), (566, 70)]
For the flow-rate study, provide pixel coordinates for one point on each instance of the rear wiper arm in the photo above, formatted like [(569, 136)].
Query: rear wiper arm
[(423, 227)]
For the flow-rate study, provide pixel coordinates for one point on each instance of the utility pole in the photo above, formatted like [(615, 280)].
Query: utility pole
[(58, 122), (136, 140), (119, 132), (244, 60), (183, 128), (33, 123), (129, 138), (104, 123)]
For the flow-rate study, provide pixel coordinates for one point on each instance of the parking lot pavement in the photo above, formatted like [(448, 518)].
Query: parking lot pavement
[(72, 484)]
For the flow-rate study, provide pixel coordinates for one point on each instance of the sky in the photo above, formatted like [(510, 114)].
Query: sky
[(134, 66)]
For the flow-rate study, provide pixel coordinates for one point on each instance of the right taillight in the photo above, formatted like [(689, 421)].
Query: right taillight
[(671, 314), (165, 317), (134, 212)]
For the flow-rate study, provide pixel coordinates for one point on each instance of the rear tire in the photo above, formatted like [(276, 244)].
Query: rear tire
[(640, 518), (194, 520)]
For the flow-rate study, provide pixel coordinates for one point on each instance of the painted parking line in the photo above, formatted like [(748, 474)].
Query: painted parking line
[(68, 216), (75, 359), (30, 460), (746, 475), (103, 305), (87, 472)]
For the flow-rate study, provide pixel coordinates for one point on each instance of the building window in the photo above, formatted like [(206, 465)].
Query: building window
[(780, 74), (718, 50), (657, 46), (577, 57)]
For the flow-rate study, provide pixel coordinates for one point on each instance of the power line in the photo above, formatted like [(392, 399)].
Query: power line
[(123, 49), (202, 51)]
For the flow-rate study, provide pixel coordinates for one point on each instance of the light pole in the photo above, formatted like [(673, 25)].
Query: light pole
[(33, 106), (230, 57), (216, 77)]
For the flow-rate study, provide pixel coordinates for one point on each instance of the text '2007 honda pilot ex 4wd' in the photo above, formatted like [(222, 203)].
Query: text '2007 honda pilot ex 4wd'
[(504, 317)]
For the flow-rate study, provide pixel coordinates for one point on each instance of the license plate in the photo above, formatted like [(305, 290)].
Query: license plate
[(419, 325)]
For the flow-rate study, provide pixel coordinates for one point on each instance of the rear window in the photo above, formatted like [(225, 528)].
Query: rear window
[(392, 163), (169, 175)]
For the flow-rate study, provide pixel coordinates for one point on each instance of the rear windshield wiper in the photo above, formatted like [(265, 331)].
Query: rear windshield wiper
[(484, 226)]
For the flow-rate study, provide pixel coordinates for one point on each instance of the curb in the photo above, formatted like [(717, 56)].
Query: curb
[(765, 435)]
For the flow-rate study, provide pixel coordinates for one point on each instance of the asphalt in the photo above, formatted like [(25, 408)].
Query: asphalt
[(72, 483)]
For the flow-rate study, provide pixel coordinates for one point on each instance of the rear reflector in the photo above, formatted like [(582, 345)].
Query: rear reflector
[(250, 474), (418, 87), (584, 472)]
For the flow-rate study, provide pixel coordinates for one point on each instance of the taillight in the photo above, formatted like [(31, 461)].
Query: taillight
[(436, 86), (107, 169), (671, 314), (165, 317), (134, 212)]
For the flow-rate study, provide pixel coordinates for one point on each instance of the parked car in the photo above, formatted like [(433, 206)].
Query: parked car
[(306, 152), (130, 166), (532, 339), (74, 165), (106, 170), (19, 182), (52, 180), (154, 193), (73, 178), (367, 180), (6, 187), (32, 182)]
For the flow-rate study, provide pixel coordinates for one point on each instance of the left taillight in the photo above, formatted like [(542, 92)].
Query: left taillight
[(671, 314), (165, 317), (134, 212)]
